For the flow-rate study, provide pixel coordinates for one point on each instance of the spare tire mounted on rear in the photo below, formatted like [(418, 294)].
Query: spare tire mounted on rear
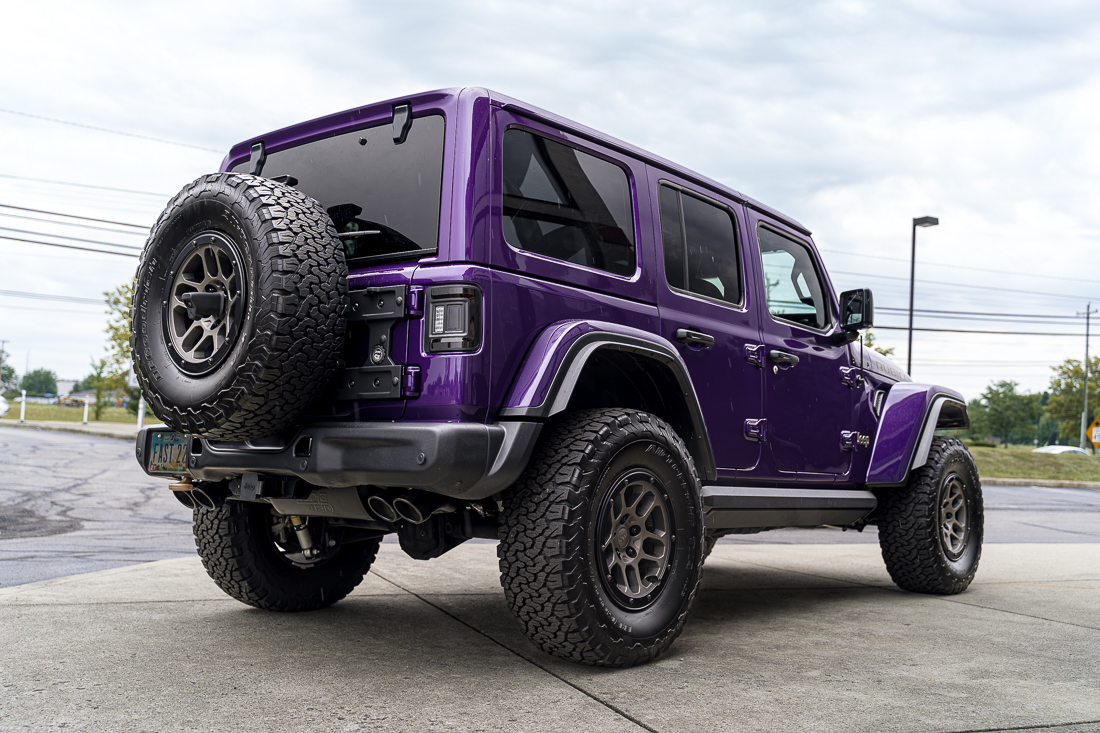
[(238, 311)]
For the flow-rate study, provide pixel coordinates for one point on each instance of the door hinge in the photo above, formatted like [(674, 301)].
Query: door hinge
[(851, 376), (410, 382), (854, 440), (754, 354), (415, 304), (756, 430)]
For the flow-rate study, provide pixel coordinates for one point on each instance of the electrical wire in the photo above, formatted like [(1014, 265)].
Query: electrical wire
[(71, 224), (83, 185), (74, 216), (48, 296), (965, 285), (71, 239), (962, 267), (974, 313), (69, 246), (106, 129), (999, 333)]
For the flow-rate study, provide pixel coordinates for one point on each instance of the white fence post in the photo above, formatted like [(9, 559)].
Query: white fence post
[(141, 412), (85, 410), (23, 408)]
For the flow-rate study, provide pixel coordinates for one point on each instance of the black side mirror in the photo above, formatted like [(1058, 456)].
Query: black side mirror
[(857, 310)]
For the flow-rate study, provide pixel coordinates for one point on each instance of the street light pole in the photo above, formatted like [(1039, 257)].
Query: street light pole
[(1085, 409), (924, 221)]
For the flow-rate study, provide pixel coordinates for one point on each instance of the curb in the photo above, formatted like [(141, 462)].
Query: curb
[(1048, 483), (119, 431)]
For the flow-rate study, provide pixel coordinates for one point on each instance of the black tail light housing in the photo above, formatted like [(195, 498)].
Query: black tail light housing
[(452, 319)]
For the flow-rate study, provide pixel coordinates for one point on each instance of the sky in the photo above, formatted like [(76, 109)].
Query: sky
[(852, 117)]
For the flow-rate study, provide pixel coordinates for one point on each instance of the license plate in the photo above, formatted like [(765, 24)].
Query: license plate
[(168, 453)]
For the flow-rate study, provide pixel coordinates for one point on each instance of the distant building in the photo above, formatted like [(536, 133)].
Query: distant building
[(65, 386)]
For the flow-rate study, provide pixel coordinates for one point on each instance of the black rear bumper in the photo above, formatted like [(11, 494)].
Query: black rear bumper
[(462, 460)]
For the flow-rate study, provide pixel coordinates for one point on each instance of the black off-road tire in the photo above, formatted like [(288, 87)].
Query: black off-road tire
[(240, 553), (549, 561), (915, 546), (285, 326)]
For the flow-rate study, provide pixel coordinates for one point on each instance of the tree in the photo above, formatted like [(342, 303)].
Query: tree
[(9, 380), (869, 342), (40, 382), (101, 384), (1010, 414), (117, 367), (1066, 397)]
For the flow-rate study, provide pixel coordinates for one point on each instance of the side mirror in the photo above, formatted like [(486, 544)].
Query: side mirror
[(857, 310)]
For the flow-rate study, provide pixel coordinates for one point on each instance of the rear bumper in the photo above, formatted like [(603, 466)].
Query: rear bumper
[(462, 460)]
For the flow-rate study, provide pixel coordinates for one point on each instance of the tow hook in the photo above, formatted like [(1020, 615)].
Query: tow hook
[(304, 539)]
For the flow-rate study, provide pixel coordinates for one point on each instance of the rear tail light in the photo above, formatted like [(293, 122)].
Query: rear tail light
[(453, 318)]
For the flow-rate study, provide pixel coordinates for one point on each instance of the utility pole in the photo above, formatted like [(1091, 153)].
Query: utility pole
[(1085, 409), (923, 221)]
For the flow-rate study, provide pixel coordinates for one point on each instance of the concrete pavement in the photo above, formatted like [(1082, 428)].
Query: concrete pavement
[(783, 638)]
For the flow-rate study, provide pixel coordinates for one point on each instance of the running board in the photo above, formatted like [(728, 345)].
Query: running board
[(735, 507)]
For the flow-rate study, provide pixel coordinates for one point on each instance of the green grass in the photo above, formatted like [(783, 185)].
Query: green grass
[(1020, 462), (36, 411)]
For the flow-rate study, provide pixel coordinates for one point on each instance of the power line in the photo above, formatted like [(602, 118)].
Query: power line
[(966, 285), (83, 185), (73, 216), (70, 224), (963, 267), (72, 239), (975, 313), (999, 333), (48, 296), (68, 246), (105, 129)]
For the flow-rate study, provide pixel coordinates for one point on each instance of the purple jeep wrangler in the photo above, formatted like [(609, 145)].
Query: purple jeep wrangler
[(454, 315)]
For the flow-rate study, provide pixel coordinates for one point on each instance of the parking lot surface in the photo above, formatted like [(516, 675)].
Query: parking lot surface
[(786, 635)]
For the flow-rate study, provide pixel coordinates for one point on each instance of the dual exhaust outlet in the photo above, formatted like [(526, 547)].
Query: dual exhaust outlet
[(415, 507)]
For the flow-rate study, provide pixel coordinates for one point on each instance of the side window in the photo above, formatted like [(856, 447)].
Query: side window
[(700, 246), (565, 204), (794, 289)]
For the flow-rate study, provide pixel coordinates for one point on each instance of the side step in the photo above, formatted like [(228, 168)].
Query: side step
[(734, 507)]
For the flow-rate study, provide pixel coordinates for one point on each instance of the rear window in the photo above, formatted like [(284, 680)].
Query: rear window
[(700, 246), (385, 196), (565, 204)]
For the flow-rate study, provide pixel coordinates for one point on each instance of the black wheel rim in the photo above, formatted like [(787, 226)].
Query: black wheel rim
[(634, 539), (208, 263), (954, 516)]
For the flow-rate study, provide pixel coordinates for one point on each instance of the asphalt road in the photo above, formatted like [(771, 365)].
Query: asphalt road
[(74, 504)]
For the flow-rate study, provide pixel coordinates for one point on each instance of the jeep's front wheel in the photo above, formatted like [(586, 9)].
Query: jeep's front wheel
[(601, 540), (254, 555), (931, 531)]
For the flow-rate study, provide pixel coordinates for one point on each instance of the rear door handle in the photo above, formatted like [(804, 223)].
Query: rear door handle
[(782, 357), (686, 336)]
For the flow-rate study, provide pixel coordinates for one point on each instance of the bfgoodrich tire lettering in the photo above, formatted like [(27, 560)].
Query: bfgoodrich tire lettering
[(931, 531), (284, 278), (554, 553)]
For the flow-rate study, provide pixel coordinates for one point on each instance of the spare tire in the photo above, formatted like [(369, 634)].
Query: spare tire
[(239, 306)]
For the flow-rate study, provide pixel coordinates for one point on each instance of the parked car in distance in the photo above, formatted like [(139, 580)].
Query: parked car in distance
[(1061, 449)]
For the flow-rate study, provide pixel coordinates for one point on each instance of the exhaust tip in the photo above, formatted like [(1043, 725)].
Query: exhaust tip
[(185, 498), (406, 507), (382, 508)]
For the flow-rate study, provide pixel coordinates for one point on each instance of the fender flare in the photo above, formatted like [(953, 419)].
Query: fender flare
[(910, 417), (545, 381)]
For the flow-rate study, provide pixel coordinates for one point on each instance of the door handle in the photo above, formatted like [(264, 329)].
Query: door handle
[(689, 337), (782, 357)]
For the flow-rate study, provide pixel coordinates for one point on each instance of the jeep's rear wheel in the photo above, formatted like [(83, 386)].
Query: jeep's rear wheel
[(601, 540), (254, 555), (239, 307), (931, 531)]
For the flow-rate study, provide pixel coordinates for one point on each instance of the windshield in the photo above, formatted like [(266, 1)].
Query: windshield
[(384, 196)]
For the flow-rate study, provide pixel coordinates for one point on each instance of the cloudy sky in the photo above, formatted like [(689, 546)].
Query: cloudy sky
[(853, 117)]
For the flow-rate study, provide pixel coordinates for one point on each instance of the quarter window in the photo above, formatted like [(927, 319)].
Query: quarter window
[(565, 204), (700, 246), (794, 289)]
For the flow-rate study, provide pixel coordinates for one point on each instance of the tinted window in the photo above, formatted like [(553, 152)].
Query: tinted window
[(700, 246), (368, 184), (565, 204), (794, 290)]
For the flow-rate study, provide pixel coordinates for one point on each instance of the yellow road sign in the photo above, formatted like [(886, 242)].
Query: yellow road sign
[(1094, 433)]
